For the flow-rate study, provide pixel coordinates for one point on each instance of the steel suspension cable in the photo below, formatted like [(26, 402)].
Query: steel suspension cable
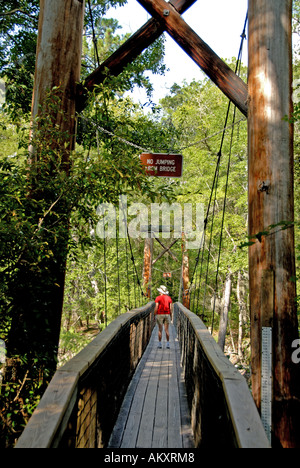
[(214, 185), (237, 71), (105, 276), (94, 34)]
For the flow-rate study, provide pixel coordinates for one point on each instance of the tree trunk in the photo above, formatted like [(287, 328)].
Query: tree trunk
[(185, 274), (271, 201), (147, 270), (224, 313), (38, 288)]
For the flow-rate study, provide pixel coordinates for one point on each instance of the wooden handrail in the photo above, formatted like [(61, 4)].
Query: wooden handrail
[(87, 392), (224, 411), (82, 402)]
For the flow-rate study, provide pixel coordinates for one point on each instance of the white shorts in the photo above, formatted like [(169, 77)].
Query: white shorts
[(163, 318)]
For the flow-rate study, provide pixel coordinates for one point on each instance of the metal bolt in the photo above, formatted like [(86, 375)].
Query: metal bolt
[(166, 12)]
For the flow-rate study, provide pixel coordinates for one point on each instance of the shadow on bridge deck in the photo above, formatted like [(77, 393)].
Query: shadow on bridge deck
[(155, 411)]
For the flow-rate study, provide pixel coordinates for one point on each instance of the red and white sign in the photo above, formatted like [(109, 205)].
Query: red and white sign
[(162, 165), (167, 275)]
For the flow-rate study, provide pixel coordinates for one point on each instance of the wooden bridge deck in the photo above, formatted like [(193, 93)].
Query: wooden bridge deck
[(155, 412)]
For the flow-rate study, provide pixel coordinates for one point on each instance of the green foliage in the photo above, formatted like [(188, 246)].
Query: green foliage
[(199, 110), (44, 205), (18, 36), (48, 210), (18, 28)]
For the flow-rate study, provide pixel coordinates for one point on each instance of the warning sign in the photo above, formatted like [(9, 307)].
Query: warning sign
[(162, 165), (167, 275)]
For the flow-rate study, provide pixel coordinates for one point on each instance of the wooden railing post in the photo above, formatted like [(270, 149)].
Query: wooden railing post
[(147, 270)]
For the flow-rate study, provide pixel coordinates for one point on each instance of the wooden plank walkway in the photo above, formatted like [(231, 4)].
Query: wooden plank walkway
[(155, 411)]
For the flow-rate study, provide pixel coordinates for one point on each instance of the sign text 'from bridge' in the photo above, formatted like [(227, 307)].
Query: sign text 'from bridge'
[(162, 165)]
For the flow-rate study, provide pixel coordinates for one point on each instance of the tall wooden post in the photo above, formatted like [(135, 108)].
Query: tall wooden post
[(185, 274), (271, 257), (147, 270), (58, 59), (58, 65), (38, 291)]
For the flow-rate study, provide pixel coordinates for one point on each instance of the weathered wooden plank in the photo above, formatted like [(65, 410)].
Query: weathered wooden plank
[(166, 250), (217, 70), (147, 419), (247, 426), (160, 431), (131, 431), (185, 417), (90, 353), (129, 400), (221, 365), (127, 52), (271, 201), (151, 414), (43, 427), (48, 416), (174, 410)]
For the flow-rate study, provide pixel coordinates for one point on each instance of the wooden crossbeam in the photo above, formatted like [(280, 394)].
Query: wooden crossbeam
[(167, 17), (126, 53), (166, 249), (217, 70)]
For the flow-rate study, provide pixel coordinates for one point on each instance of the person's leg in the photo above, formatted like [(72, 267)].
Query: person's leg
[(167, 330), (160, 328), (167, 324)]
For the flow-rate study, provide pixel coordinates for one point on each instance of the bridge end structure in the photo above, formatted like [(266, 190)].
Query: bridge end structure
[(80, 407)]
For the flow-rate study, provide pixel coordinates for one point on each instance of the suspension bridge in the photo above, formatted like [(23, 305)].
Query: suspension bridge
[(121, 391)]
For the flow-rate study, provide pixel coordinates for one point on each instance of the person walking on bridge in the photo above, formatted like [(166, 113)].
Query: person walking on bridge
[(163, 314)]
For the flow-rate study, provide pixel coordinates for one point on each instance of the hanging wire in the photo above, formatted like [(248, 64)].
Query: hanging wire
[(131, 253), (214, 186), (237, 71), (94, 34), (127, 274), (222, 225), (211, 233), (134, 288), (118, 272), (105, 277), (213, 189), (101, 129), (201, 247), (134, 266)]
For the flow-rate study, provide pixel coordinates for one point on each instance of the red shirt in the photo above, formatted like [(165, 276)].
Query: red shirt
[(163, 302)]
